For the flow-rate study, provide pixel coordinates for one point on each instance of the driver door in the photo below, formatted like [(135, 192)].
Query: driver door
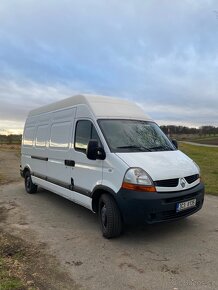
[(86, 173)]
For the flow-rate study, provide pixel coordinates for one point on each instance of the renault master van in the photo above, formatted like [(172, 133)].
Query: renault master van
[(108, 156)]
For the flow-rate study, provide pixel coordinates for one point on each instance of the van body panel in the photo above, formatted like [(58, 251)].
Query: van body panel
[(66, 193), (114, 170), (97, 105), (86, 174), (59, 145), (163, 165), (83, 112)]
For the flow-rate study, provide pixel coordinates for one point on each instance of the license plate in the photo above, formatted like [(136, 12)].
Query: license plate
[(185, 205)]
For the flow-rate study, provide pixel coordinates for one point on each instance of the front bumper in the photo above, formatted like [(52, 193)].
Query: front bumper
[(153, 207)]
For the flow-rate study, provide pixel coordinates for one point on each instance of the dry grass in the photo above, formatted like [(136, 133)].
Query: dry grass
[(2, 178), (25, 266), (12, 274), (12, 147)]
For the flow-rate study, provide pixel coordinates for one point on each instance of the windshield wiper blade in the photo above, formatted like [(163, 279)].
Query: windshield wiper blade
[(141, 148), (161, 147)]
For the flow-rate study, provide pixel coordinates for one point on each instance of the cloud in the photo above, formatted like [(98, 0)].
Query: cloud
[(11, 127), (18, 98), (161, 54)]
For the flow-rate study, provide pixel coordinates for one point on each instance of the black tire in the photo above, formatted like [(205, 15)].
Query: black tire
[(109, 217), (29, 185)]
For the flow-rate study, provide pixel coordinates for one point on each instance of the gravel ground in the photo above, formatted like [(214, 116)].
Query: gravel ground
[(177, 255)]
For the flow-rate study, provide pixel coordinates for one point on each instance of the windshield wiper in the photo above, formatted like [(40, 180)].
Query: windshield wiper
[(141, 148), (161, 147)]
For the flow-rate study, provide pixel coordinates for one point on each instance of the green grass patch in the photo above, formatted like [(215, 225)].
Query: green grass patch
[(207, 159), (12, 257), (7, 280), (26, 266)]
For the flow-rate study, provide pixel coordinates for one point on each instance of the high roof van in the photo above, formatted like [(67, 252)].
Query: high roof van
[(108, 156)]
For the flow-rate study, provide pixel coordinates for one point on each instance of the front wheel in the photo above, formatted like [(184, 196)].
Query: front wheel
[(29, 185), (109, 217)]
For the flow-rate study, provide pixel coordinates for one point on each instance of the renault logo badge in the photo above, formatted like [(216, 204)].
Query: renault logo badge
[(182, 182)]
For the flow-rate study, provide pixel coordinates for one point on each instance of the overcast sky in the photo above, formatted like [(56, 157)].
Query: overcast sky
[(162, 54)]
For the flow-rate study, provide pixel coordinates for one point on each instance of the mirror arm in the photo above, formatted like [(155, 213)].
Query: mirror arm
[(175, 143), (101, 153)]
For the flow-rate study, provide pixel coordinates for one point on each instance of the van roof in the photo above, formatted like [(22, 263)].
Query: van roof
[(101, 107)]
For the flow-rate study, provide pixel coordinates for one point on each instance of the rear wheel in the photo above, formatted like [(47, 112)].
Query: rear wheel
[(109, 217), (29, 185)]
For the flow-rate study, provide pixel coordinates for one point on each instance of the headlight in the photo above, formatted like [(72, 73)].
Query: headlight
[(137, 179)]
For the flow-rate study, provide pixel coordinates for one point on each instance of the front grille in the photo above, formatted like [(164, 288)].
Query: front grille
[(167, 182), (191, 178), (174, 182)]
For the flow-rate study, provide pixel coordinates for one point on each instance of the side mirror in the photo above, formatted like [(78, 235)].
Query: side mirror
[(94, 152), (175, 143)]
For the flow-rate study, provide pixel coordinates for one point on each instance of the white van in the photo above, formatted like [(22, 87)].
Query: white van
[(108, 156)]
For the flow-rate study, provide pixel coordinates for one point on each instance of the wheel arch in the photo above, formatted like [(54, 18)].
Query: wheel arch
[(26, 168), (97, 192)]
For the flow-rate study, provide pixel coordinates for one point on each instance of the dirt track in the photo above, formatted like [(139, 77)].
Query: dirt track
[(179, 255), (199, 144)]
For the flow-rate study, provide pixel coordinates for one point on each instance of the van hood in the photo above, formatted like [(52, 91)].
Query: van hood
[(161, 164)]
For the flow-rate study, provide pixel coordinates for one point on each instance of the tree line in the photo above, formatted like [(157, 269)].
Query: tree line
[(179, 130), (10, 139)]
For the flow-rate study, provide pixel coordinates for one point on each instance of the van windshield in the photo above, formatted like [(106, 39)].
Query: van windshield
[(134, 136)]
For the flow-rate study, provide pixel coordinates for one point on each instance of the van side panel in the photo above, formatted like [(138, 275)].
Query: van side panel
[(66, 193), (114, 170), (34, 151), (46, 146), (39, 155), (58, 151), (86, 173), (48, 143)]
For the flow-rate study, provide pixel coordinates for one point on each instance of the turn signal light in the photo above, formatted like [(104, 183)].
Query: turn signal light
[(138, 187)]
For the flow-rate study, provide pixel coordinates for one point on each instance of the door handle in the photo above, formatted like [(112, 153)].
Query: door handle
[(69, 163)]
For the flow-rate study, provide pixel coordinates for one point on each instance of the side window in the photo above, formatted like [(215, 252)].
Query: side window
[(28, 136), (84, 132), (60, 134), (41, 136)]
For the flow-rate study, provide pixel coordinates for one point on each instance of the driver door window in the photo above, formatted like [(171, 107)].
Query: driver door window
[(85, 131)]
